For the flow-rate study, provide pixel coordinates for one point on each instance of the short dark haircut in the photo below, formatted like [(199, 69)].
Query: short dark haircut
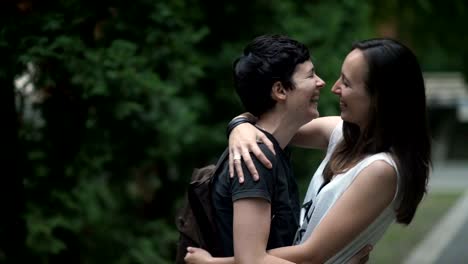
[(397, 121), (266, 60)]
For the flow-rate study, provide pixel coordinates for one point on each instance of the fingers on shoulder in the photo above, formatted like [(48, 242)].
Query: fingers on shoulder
[(267, 152)]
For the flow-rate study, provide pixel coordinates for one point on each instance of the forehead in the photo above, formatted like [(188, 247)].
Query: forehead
[(355, 65), (304, 68)]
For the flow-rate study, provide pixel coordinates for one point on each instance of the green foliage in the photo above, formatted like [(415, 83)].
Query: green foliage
[(129, 97), (435, 30)]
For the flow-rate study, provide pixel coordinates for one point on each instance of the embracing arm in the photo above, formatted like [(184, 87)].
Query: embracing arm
[(244, 139), (251, 229), (252, 224), (201, 256), (316, 134), (370, 193)]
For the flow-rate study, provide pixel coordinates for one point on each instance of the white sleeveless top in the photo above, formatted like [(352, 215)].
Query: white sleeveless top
[(316, 206)]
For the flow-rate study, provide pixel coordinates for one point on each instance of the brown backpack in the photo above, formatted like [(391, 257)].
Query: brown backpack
[(195, 221)]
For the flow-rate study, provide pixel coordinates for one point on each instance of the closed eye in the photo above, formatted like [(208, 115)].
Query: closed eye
[(344, 80), (311, 73)]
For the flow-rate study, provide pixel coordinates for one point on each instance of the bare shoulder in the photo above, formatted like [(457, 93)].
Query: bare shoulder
[(381, 172), (378, 182)]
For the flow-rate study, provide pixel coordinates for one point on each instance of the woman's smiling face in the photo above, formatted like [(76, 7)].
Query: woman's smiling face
[(351, 89), (303, 99)]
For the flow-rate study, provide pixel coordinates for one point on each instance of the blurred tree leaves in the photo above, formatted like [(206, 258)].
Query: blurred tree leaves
[(129, 97), (434, 29)]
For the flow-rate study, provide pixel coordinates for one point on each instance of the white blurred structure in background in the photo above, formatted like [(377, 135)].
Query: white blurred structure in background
[(447, 100)]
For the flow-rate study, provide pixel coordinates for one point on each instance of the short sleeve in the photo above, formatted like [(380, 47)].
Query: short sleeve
[(263, 188)]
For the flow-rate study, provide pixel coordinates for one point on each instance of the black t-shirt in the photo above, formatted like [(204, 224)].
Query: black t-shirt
[(277, 185)]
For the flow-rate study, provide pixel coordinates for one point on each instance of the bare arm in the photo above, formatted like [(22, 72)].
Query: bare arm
[(316, 134), (251, 230), (244, 139), (201, 256), (370, 193)]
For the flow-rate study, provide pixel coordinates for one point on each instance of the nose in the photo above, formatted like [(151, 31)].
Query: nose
[(336, 88), (320, 83)]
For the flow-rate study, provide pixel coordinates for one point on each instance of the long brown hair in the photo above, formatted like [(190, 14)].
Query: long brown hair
[(397, 122)]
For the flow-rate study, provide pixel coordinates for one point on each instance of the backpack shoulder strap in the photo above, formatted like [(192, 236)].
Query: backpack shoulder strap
[(221, 160)]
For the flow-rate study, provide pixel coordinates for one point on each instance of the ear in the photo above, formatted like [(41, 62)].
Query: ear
[(278, 92)]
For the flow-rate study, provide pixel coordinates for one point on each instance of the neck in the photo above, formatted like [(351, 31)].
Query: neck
[(282, 127)]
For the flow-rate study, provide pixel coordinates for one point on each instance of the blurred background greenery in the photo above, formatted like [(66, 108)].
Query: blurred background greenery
[(111, 104)]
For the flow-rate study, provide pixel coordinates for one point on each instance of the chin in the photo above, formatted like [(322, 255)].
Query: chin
[(349, 121), (314, 112), (314, 115), (343, 117)]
